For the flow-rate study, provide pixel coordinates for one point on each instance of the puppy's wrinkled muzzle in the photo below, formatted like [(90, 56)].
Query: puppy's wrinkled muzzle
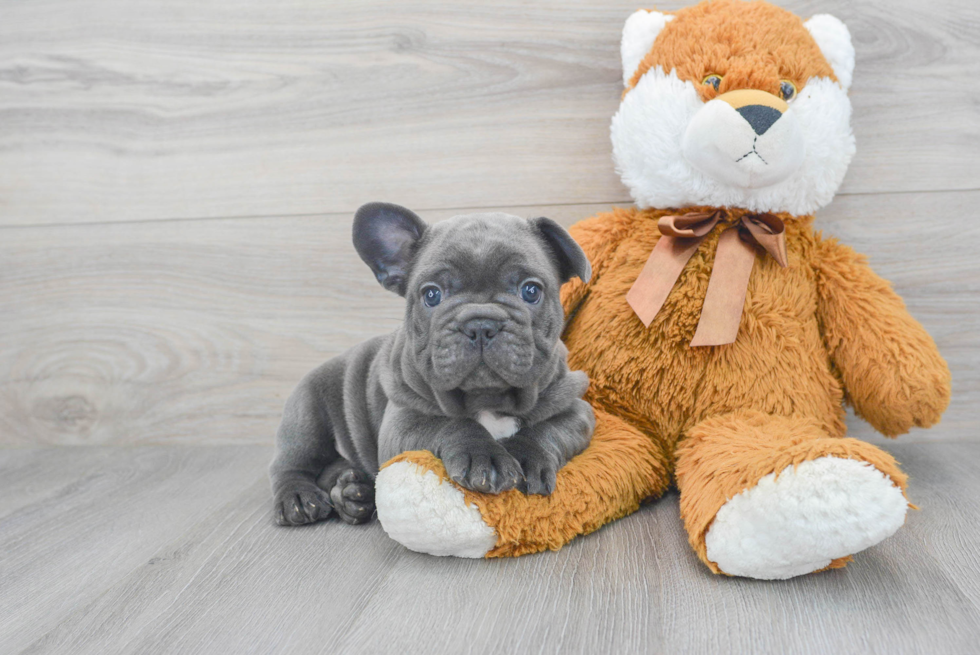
[(483, 345)]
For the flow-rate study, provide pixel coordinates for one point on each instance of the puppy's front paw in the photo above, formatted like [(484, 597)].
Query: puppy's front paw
[(298, 502), (540, 468), (353, 496), (484, 467)]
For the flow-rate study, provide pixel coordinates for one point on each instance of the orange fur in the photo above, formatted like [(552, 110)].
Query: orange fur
[(724, 455), (721, 418), (824, 320), (620, 464), (752, 45), (823, 331)]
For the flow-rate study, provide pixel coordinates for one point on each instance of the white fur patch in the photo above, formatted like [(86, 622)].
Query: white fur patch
[(649, 129), (722, 145), (834, 41), (639, 33), (498, 425), (802, 519), (423, 513)]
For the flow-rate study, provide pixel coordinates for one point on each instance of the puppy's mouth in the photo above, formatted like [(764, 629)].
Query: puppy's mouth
[(482, 353), (483, 378), (480, 371)]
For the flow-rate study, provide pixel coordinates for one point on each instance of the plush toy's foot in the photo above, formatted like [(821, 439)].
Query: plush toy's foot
[(420, 508), (804, 518), (425, 511), (772, 498)]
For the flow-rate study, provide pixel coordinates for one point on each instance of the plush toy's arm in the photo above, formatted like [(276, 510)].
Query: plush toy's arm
[(892, 372), (598, 236)]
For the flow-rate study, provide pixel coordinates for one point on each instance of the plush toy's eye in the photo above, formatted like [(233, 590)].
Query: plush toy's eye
[(787, 90), (531, 293), (712, 80), (431, 295)]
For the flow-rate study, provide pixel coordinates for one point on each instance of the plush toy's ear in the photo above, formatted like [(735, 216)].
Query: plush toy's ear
[(835, 44), (639, 33), (386, 237), (568, 255)]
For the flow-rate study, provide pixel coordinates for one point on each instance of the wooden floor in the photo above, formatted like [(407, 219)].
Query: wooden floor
[(177, 180), (173, 549)]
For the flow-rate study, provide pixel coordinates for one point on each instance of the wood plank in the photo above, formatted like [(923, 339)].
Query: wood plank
[(235, 583), (231, 581), (598, 595), (196, 331), (122, 111), (941, 484), (63, 549), (23, 486), (177, 331), (874, 605)]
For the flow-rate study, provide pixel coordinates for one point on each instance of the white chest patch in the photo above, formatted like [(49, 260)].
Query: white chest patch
[(499, 426)]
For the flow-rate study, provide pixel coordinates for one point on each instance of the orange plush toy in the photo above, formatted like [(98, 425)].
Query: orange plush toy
[(721, 333)]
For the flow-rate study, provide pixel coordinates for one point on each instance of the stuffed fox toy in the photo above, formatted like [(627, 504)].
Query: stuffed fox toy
[(721, 334)]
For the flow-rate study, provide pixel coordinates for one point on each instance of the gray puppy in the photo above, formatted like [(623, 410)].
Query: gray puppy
[(477, 374)]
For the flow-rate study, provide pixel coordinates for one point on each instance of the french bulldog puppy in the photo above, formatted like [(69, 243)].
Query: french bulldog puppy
[(476, 374)]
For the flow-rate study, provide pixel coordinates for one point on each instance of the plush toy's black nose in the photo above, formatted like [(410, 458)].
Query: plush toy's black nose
[(759, 117), (483, 329)]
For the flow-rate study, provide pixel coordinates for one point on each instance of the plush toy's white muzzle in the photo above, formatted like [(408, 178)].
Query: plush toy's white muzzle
[(751, 140)]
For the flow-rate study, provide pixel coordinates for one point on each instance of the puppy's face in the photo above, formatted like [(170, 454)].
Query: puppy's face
[(483, 312)]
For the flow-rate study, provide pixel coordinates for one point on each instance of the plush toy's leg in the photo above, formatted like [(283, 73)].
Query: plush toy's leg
[(772, 497), (420, 508)]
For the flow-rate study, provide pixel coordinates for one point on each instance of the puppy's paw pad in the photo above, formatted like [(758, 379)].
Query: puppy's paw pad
[(510, 475), (301, 503), (540, 469), (539, 479), (486, 470), (353, 497)]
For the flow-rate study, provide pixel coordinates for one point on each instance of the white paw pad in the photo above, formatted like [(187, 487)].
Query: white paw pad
[(800, 520), (425, 514)]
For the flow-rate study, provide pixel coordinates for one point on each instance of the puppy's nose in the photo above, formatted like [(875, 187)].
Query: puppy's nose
[(483, 329)]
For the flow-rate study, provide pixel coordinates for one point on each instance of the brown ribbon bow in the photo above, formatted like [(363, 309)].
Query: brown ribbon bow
[(682, 235)]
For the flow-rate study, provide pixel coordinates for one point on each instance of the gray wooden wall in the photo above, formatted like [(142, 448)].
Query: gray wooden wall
[(177, 180)]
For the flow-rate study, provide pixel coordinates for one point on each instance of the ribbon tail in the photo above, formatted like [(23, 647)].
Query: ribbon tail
[(723, 303), (770, 233), (664, 266)]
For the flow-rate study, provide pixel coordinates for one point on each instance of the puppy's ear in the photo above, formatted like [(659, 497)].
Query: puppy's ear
[(386, 237), (568, 256)]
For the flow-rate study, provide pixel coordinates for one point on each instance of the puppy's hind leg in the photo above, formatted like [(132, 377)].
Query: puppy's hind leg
[(351, 491), (305, 447)]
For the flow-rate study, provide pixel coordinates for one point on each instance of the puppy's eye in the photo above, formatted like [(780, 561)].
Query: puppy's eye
[(712, 80), (787, 90), (531, 293), (431, 295)]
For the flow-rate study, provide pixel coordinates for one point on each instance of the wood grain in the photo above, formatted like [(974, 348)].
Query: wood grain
[(176, 187), (196, 331), (66, 543), (220, 577), (120, 111)]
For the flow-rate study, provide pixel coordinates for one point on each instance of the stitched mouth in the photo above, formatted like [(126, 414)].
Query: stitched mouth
[(753, 151)]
